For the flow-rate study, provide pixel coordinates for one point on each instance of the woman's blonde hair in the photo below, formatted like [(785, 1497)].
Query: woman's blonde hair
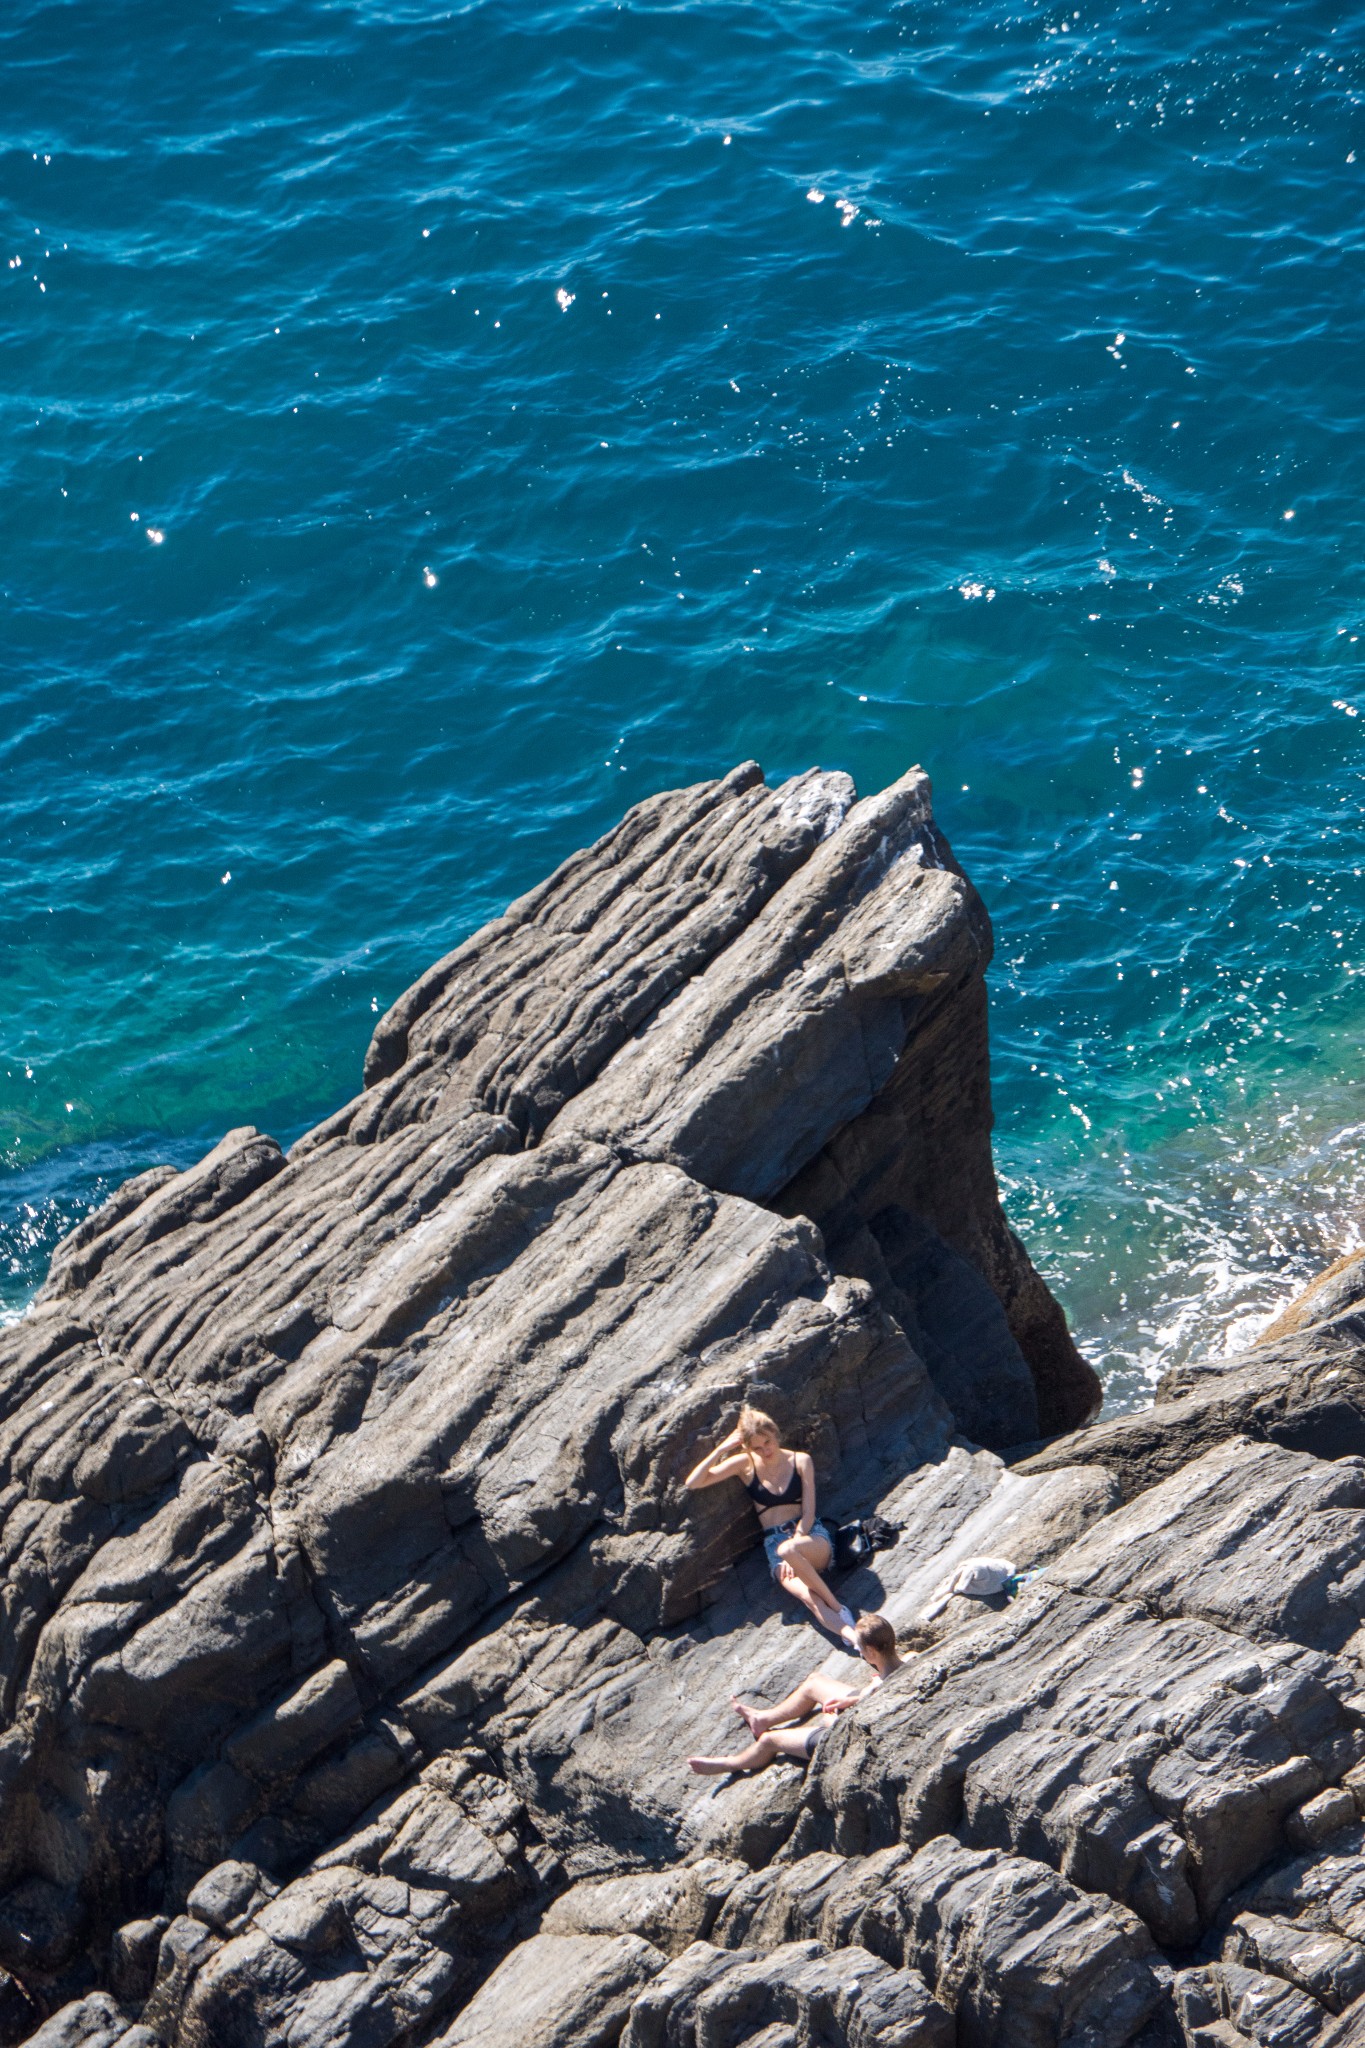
[(753, 1422)]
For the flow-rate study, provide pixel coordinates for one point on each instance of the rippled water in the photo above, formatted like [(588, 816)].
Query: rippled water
[(427, 431)]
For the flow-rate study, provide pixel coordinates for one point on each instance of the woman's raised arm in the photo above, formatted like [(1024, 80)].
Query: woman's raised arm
[(726, 1461)]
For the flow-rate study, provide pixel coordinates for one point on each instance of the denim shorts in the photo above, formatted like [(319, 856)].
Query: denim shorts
[(772, 1537)]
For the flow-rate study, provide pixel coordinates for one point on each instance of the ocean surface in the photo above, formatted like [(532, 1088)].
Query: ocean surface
[(428, 430)]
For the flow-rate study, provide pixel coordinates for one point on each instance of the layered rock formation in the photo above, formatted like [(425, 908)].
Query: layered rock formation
[(356, 1626)]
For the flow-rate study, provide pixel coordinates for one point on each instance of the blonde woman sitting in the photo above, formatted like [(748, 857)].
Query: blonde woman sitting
[(788, 1729), (781, 1485)]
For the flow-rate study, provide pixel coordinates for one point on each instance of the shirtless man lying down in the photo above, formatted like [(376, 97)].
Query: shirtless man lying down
[(796, 1725)]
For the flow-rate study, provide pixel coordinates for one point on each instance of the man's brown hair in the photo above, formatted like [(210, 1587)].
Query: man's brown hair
[(875, 1632)]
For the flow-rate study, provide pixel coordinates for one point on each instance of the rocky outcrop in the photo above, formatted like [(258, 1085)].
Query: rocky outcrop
[(356, 1626), (1302, 1385)]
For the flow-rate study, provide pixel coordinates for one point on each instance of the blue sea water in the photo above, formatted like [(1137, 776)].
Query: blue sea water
[(427, 430)]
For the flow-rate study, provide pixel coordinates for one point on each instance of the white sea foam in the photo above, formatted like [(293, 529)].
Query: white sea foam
[(1192, 1252)]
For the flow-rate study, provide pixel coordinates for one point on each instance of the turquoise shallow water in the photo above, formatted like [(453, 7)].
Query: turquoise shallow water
[(427, 431)]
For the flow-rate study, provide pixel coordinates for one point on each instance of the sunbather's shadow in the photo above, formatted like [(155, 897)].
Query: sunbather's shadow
[(753, 1595), (862, 1590)]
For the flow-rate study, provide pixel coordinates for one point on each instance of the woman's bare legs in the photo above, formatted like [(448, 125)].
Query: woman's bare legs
[(792, 1583), (809, 1697), (781, 1742), (803, 1555)]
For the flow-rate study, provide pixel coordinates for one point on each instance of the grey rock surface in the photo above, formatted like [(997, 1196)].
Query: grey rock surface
[(800, 1993), (1263, 1542), (1015, 1953), (355, 1625), (558, 1991)]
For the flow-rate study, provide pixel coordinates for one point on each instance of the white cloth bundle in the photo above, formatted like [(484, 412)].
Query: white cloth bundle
[(977, 1579)]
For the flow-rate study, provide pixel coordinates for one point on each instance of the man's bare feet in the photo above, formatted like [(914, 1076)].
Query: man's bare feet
[(748, 1715), (710, 1766)]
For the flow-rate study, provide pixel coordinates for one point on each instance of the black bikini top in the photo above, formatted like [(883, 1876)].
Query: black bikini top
[(763, 1496)]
